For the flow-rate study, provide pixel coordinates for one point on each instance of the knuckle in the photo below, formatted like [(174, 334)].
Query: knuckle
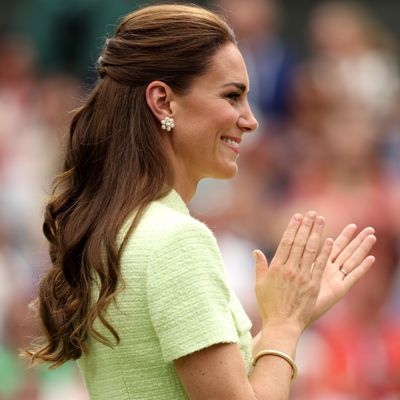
[(304, 280), (290, 274), (287, 240), (300, 242), (311, 250)]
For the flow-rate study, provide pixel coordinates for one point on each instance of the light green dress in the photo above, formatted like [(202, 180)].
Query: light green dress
[(176, 301)]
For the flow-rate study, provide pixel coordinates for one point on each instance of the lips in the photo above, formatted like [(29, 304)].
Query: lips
[(232, 142), (231, 139)]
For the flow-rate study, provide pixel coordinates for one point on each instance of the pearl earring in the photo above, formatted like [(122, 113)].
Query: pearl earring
[(167, 124)]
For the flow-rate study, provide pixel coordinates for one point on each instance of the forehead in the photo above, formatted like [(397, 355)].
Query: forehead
[(227, 65)]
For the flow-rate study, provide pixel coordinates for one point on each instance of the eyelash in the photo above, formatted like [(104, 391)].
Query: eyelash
[(234, 96)]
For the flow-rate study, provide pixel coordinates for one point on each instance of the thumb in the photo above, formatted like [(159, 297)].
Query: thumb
[(261, 263)]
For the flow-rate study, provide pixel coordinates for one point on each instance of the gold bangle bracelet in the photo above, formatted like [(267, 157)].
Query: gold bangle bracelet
[(280, 354)]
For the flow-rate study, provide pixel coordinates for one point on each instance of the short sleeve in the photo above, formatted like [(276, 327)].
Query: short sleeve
[(188, 296)]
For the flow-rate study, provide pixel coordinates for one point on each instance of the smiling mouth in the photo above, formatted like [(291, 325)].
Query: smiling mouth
[(232, 142)]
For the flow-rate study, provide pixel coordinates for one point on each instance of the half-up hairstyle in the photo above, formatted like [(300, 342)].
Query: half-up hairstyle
[(115, 165)]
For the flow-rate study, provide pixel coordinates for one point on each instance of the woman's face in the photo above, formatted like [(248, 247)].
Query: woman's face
[(211, 118)]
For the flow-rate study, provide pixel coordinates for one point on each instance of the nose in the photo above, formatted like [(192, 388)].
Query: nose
[(247, 122)]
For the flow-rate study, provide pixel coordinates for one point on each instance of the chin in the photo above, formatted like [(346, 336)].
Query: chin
[(226, 173)]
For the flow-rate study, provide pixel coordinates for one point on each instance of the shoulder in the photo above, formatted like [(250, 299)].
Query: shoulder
[(172, 228), (164, 230)]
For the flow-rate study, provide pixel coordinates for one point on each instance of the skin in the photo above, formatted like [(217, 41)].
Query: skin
[(215, 106), (302, 281)]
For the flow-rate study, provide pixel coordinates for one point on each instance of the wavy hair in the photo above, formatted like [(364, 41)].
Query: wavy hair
[(115, 164)]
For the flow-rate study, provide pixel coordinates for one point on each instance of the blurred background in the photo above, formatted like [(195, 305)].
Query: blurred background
[(325, 87)]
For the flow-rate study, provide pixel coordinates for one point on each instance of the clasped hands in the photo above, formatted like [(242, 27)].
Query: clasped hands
[(308, 275)]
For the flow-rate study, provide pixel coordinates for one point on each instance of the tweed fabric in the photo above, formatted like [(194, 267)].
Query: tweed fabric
[(176, 301)]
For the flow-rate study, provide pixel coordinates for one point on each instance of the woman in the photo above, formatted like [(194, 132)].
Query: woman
[(137, 292)]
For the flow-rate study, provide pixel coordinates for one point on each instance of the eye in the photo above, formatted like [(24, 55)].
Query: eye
[(234, 96)]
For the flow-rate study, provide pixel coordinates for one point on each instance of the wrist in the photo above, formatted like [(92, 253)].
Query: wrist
[(285, 328), (282, 337), (276, 353)]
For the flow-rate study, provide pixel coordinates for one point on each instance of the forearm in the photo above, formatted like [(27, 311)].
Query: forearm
[(256, 343), (271, 376)]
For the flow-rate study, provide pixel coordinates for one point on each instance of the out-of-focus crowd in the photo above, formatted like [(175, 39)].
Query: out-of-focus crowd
[(329, 140)]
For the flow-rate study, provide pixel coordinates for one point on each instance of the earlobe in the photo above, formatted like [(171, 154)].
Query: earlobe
[(158, 99)]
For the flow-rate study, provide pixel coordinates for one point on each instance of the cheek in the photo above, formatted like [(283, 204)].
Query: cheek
[(223, 119), (208, 118), (230, 117)]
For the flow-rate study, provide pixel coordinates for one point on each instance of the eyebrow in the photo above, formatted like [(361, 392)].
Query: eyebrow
[(239, 85)]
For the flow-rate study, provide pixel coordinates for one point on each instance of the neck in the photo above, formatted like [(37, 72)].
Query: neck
[(184, 185)]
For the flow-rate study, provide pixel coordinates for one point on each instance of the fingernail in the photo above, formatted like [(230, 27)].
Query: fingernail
[(297, 217), (319, 220), (311, 214), (255, 255)]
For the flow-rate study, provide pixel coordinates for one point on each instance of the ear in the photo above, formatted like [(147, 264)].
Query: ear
[(158, 97)]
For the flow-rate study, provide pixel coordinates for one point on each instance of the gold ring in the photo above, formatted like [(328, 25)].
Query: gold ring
[(344, 272)]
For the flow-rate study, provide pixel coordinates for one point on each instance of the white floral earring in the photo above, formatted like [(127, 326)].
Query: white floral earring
[(167, 124)]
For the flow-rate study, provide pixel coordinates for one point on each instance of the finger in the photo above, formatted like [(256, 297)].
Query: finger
[(286, 243), (261, 264), (322, 259), (313, 244), (300, 241), (360, 253), (353, 246), (343, 240), (358, 273)]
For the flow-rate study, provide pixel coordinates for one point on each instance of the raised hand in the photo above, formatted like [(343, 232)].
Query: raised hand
[(287, 290), (347, 263)]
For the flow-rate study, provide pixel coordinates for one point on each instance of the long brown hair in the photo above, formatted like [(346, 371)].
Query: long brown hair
[(115, 164)]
